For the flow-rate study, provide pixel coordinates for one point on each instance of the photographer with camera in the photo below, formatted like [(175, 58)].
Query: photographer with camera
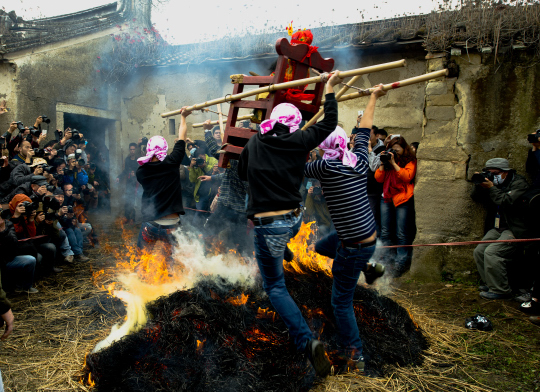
[(499, 188), (398, 218), (130, 189), (35, 189), (24, 173), (23, 212), (201, 166), (159, 175), (18, 267)]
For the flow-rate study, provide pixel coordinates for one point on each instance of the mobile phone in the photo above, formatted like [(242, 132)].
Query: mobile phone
[(360, 112), (44, 132)]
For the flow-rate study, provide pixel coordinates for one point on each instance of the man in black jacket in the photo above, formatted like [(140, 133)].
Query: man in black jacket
[(159, 175), (504, 220), (273, 164)]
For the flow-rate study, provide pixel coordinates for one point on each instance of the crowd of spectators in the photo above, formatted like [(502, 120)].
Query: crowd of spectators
[(46, 190)]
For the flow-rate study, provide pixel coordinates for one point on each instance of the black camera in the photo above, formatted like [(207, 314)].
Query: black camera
[(58, 177), (81, 162), (75, 191), (386, 157), (60, 154), (50, 202), (47, 168), (479, 178), (200, 161), (5, 214), (29, 207), (35, 132), (144, 141), (534, 138), (75, 135), (50, 216), (20, 125), (46, 119), (70, 210), (36, 152), (28, 138), (58, 134), (317, 190), (50, 188), (68, 172), (2, 140)]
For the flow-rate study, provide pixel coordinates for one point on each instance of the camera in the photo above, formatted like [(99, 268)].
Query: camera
[(144, 141), (81, 162), (2, 140), (58, 134), (479, 178), (58, 177), (28, 138), (29, 207), (50, 202), (35, 132), (36, 152), (78, 153), (317, 190), (200, 161), (75, 135), (51, 188), (46, 168), (68, 172), (46, 119), (5, 214), (50, 216), (386, 157), (20, 125), (60, 154), (70, 210), (534, 138)]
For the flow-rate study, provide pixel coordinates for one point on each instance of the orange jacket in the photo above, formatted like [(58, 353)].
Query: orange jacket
[(404, 178)]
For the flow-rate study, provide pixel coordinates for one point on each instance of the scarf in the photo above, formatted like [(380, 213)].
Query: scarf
[(157, 147), (284, 113), (335, 147)]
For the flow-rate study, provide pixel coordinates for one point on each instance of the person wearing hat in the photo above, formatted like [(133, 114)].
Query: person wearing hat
[(35, 188), (23, 173), (500, 195)]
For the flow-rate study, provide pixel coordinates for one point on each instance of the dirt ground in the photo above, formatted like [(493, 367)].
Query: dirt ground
[(57, 327)]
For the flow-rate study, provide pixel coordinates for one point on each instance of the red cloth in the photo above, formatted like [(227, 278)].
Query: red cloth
[(298, 95), (19, 226), (391, 186)]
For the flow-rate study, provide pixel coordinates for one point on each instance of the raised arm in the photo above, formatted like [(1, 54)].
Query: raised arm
[(182, 129), (369, 112)]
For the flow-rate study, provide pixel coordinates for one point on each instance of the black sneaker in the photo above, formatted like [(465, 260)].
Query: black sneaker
[(374, 272), (289, 255), (317, 356)]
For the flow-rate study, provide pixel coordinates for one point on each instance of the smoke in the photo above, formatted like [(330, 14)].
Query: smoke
[(188, 265)]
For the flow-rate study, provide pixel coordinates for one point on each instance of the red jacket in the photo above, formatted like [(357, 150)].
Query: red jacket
[(404, 177)]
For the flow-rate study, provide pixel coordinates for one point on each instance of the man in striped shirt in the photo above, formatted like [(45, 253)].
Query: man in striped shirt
[(343, 177)]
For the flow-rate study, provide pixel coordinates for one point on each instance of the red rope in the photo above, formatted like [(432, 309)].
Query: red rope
[(193, 209), (462, 243)]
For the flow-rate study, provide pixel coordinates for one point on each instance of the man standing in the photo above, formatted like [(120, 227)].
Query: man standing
[(342, 174), (273, 164), (159, 175), (504, 221)]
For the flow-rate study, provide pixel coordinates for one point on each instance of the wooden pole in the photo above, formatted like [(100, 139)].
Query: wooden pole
[(215, 122), (283, 86), (221, 127), (401, 83), (338, 95), (386, 87)]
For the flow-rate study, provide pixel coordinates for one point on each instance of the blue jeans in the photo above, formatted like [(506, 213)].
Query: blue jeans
[(270, 242), (150, 233), (348, 263), (75, 239), (21, 271), (64, 246), (398, 227)]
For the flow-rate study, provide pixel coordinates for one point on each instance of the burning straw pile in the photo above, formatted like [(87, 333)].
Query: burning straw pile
[(223, 337)]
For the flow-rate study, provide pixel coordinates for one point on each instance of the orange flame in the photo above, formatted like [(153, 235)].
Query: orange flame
[(305, 256), (200, 345), (240, 300)]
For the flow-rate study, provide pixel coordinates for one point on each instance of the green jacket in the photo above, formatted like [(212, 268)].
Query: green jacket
[(195, 172)]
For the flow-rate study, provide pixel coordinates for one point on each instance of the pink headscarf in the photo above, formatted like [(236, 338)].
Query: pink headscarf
[(335, 147), (284, 113), (157, 147)]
